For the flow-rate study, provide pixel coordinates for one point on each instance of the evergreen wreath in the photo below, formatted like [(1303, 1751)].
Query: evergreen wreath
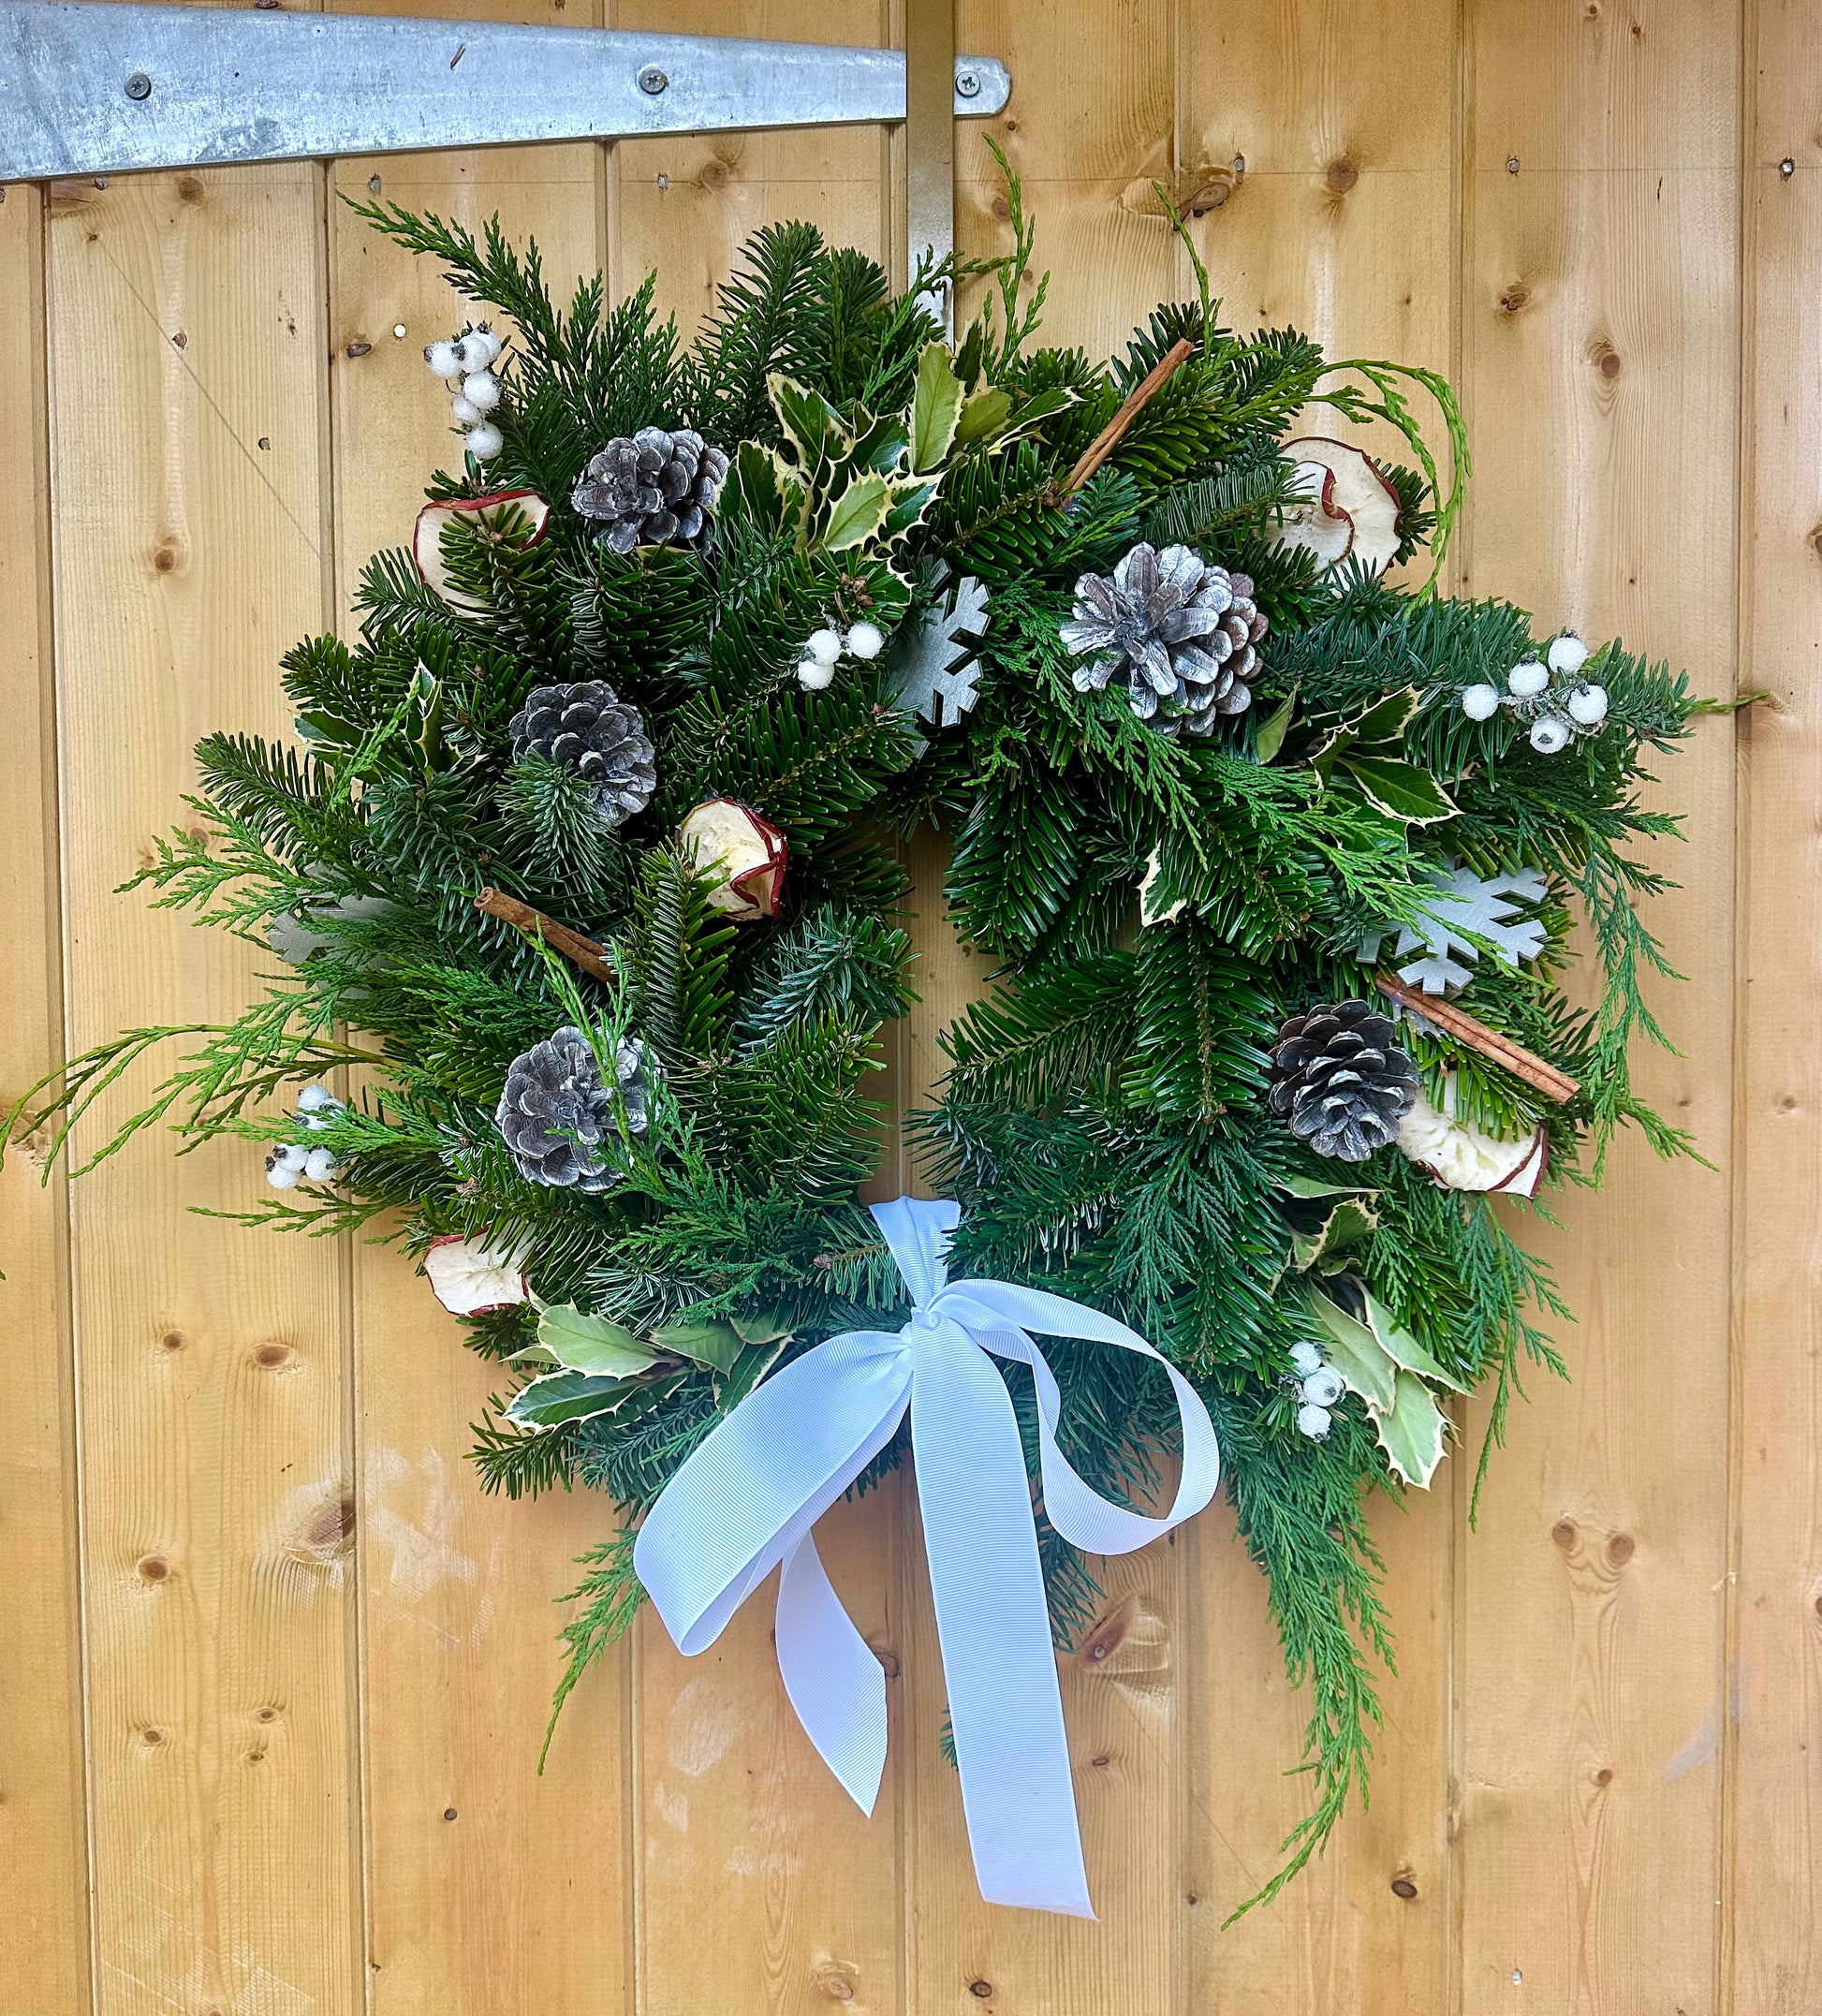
[(588, 871)]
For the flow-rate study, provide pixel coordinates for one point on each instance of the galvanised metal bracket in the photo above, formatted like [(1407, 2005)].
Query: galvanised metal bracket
[(89, 89)]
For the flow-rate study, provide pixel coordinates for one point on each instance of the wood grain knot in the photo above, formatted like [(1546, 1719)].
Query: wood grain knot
[(1815, 540), (982, 1989), (164, 559), (172, 1340), (835, 1979), (267, 1713), (268, 1356), (189, 189), (715, 176), (448, 1812), (181, 341), (154, 1567), (152, 1738), (328, 1534), (1563, 1534), (360, 347), (1342, 175), (1404, 1884), (887, 1659), (1607, 361), (1818, 1606), (1000, 209), (1515, 297), (1621, 1549), (1603, 1776)]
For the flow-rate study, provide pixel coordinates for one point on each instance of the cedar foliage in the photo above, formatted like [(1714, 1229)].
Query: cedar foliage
[(1102, 1122)]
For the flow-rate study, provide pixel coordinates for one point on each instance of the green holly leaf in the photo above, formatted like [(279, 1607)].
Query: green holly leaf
[(560, 1397), (983, 416), (1269, 737), (748, 1369), (1401, 789), (811, 424), (857, 514), (935, 408), (583, 1343), (1403, 1348), (1412, 1431), (713, 1343), (1356, 1353), (1346, 1227), (1385, 720), (1315, 1186)]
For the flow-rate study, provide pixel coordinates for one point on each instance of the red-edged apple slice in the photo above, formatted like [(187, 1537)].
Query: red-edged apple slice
[(1314, 522), (427, 534), (1357, 491)]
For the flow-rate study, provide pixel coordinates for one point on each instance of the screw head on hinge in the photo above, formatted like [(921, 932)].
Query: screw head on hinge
[(651, 80), (138, 87), (967, 84)]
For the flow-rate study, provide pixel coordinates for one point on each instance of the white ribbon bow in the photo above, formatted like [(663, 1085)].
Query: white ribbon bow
[(745, 1500)]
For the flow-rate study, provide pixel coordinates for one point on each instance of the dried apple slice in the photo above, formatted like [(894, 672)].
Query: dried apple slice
[(1315, 523), (427, 534), (1356, 489)]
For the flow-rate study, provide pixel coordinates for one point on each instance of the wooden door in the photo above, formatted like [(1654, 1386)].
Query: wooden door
[(272, 1671)]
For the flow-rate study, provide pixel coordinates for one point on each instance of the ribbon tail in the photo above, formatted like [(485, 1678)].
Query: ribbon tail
[(835, 1679), (1006, 1708)]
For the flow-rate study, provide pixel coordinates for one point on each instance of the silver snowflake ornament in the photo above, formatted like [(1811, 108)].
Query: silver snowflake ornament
[(933, 664), (1462, 902)]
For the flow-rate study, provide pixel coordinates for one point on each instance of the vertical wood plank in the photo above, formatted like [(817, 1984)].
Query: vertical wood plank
[(1091, 120), (492, 1890), (186, 341), (1600, 323), (733, 1805), (44, 1936), (1774, 1877), (1317, 170)]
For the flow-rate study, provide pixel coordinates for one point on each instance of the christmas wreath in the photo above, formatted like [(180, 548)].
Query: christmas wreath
[(586, 887)]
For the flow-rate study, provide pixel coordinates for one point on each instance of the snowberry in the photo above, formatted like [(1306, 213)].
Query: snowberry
[(485, 441), (1567, 654), (814, 674), (1480, 703), (1307, 1358), (1528, 679), (442, 360), (291, 1157), (1313, 1421), (1549, 734), (481, 389), (825, 646), (866, 641), (315, 1096), (1323, 1387), (477, 349), (321, 1165), (281, 1176), (1588, 705), (465, 414)]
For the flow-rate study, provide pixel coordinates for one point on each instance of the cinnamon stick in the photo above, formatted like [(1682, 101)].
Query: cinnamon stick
[(1500, 1050), (1104, 443), (585, 953)]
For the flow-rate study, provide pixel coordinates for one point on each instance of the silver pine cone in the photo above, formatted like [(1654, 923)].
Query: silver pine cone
[(1340, 1081), (559, 1119), (1181, 634), (584, 728), (655, 488)]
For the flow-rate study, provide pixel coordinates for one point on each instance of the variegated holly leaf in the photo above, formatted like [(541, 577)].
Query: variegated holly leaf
[(560, 1397), (1412, 1431)]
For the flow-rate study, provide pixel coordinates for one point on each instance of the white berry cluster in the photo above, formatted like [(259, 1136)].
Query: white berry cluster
[(1320, 1388), (292, 1162), (815, 669), (1552, 697), (465, 365)]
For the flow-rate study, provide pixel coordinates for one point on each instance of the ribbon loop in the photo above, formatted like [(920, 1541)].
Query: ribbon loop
[(746, 1499)]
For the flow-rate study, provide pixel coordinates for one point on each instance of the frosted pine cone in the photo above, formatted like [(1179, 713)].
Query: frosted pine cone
[(559, 1118), (1181, 635), (1340, 1081), (585, 727), (655, 488)]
